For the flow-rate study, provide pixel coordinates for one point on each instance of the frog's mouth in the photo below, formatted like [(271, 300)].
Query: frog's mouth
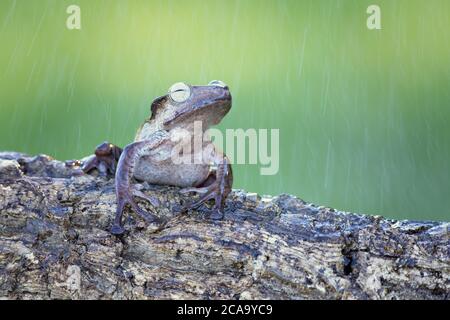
[(209, 113)]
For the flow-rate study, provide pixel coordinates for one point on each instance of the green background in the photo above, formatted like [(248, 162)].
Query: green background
[(363, 115)]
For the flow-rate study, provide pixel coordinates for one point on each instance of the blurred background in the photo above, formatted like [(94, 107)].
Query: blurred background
[(364, 115)]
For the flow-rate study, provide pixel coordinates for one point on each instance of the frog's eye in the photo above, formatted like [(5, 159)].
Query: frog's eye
[(179, 92), (217, 83)]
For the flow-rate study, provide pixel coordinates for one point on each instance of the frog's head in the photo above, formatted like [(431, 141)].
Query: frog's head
[(185, 104)]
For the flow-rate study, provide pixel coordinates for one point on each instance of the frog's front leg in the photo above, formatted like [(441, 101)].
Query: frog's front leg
[(217, 186), (125, 170), (104, 160)]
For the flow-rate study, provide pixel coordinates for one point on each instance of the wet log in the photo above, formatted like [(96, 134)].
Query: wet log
[(55, 244)]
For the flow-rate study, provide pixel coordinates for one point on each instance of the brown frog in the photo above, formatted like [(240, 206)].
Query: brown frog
[(151, 156)]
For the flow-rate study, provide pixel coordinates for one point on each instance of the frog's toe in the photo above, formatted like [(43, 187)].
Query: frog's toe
[(209, 195), (117, 229), (216, 214), (148, 217), (154, 201)]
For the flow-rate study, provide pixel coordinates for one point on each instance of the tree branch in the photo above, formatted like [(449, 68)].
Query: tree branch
[(55, 243)]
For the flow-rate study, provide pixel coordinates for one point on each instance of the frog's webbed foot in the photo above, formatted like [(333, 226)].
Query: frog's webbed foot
[(104, 160), (217, 212), (217, 189), (126, 197)]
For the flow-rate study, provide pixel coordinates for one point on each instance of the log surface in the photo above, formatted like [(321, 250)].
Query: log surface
[(55, 244)]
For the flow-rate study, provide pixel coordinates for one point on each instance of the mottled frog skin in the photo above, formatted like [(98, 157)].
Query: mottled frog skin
[(170, 131)]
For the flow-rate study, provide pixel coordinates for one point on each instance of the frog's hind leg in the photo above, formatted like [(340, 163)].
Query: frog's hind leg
[(201, 190), (105, 159), (217, 189)]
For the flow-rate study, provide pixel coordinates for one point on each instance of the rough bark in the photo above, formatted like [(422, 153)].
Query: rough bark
[(55, 244)]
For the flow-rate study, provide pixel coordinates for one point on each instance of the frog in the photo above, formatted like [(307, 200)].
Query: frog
[(150, 157)]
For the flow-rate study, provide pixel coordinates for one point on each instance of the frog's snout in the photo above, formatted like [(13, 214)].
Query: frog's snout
[(222, 90), (223, 94)]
